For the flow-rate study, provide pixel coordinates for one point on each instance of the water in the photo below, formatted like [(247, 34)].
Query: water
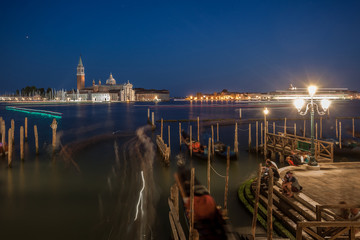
[(107, 181)]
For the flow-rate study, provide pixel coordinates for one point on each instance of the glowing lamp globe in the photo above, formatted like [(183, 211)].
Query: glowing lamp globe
[(312, 90), (266, 111), (325, 104), (299, 103)]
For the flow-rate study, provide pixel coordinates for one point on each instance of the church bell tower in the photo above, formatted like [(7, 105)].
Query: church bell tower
[(80, 75)]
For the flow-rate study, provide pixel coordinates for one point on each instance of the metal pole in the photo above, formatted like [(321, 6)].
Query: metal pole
[(312, 161), (265, 150)]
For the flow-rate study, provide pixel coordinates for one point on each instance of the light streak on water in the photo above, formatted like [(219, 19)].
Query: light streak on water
[(140, 198)]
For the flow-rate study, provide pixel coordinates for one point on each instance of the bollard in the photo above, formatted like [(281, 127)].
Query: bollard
[(10, 147), (26, 129), (208, 165), (36, 140), (22, 143), (54, 127)]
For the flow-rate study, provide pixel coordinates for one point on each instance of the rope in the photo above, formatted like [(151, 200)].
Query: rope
[(217, 172)]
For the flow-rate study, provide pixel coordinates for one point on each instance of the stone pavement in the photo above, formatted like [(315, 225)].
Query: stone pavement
[(334, 182)]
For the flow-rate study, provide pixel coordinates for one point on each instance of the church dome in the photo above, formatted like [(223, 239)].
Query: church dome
[(111, 80)]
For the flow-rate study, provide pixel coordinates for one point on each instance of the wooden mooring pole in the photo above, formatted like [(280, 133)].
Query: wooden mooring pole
[(270, 205), (10, 146), (169, 136), (217, 132), (190, 141), (320, 127), (240, 113), (353, 127), (336, 127), (257, 136), (148, 114), (261, 134), (208, 165), (54, 127), (161, 128), (274, 132), (249, 137), (236, 139), (340, 135), (26, 129), (22, 143), (192, 180), (3, 127), (180, 133), (294, 129), (285, 126), (227, 180), (304, 128), (36, 139), (13, 130), (152, 120), (212, 140), (316, 131), (256, 203), (198, 129)]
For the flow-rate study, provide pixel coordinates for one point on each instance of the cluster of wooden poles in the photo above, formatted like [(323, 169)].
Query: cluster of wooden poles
[(23, 137)]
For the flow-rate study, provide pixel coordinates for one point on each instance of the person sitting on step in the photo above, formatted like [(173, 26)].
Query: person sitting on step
[(290, 184)]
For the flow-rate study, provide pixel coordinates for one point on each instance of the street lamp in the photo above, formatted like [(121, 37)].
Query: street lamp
[(266, 112), (299, 103)]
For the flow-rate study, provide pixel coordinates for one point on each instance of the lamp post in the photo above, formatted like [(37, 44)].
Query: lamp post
[(299, 103), (266, 112)]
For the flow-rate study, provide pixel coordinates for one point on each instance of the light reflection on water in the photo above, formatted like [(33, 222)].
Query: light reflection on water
[(90, 187)]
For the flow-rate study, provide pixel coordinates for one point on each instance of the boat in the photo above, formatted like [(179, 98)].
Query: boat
[(198, 150), (208, 218), (220, 150)]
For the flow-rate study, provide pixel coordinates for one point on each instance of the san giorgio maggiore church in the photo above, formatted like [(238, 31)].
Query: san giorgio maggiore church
[(111, 91)]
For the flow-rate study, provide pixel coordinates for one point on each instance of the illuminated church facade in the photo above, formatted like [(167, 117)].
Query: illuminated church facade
[(111, 91)]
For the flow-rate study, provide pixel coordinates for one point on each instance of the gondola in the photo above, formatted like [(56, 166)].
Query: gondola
[(198, 150), (220, 150), (208, 219)]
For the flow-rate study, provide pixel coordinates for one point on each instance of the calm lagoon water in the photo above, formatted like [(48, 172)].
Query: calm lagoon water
[(89, 188)]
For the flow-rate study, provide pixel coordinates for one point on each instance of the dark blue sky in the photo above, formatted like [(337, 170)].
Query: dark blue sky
[(181, 46)]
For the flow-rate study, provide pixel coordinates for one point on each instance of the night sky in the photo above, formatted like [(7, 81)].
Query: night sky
[(185, 47)]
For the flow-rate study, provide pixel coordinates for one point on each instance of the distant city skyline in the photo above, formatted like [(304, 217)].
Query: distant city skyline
[(185, 47)]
